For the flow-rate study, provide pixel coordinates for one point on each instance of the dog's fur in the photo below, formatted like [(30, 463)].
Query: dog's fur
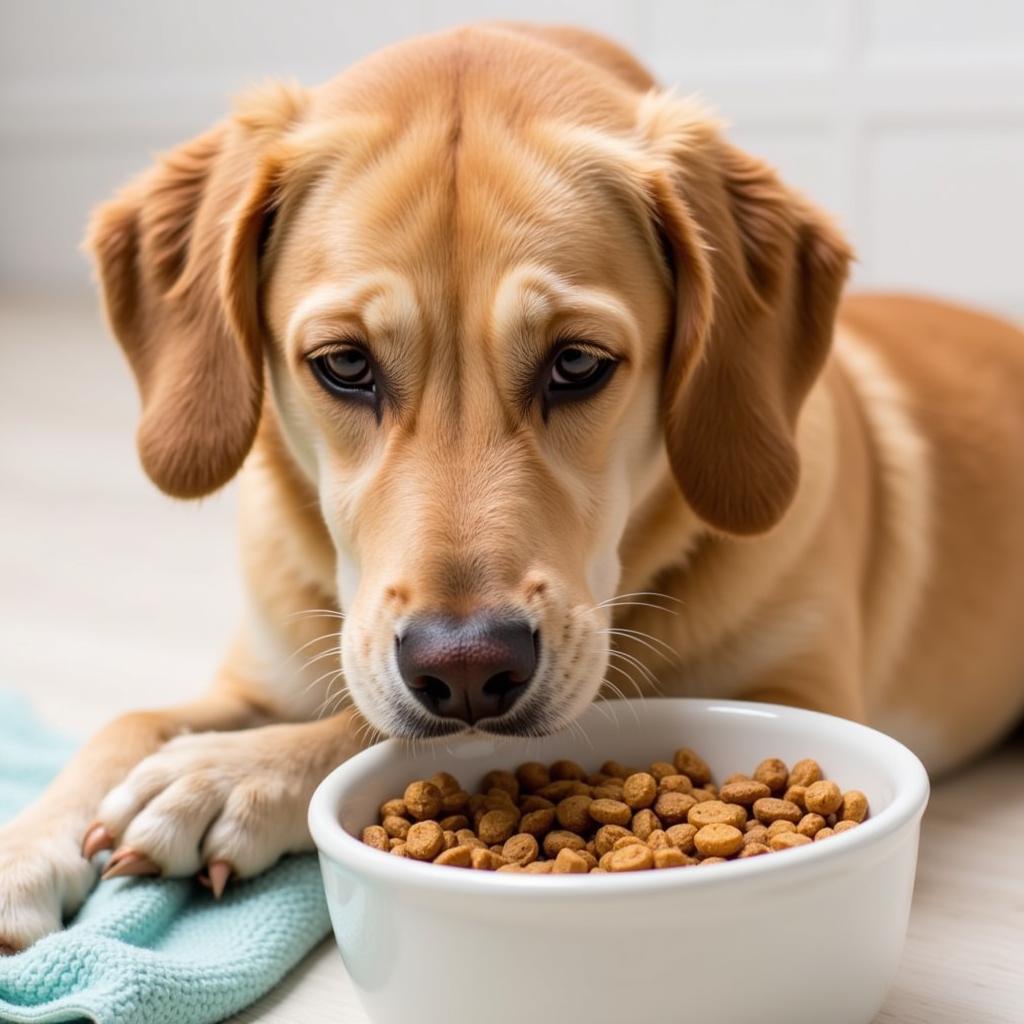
[(839, 531)]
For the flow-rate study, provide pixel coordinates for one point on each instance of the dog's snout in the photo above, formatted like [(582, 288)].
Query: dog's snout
[(469, 668)]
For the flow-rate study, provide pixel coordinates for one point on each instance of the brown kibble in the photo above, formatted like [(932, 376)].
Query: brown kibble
[(644, 823), (606, 837), (810, 825), (661, 769), (562, 771), (718, 840), (629, 840), (659, 839), (681, 836), (570, 862), (562, 788), (752, 850), (376, 836), (787, 840), (536, 823), (608, 812), (743, 792), (804, 773), (496, 826), (505, 781), (456, 857), (535, 803), (454, 822), (486, 860), (715, 812), (539, 819), (395, 826), (795, 795), (560, 840), (573, 813), (773, 773), (854, 806), (425, 840), (633, 857), (392, 809), (521, 849), (823, 797), (539, 867), (423, 800), (639, 790), (672, 808), (688, 762), (532, 775), (446, 784), (757, 834), (670, 857), (675, 784), (455, 803), (769, 809)]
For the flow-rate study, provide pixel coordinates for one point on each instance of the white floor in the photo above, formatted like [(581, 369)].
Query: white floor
[(113, 597)]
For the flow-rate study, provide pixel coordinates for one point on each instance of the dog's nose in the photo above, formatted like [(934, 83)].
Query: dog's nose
[(469, 668)]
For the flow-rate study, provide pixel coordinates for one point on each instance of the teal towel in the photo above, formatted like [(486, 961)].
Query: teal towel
[(145, 950)]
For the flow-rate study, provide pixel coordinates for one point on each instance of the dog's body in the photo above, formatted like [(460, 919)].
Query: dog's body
[(835, 531)]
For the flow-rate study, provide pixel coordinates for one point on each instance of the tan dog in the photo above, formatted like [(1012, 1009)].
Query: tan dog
[(502, 332)]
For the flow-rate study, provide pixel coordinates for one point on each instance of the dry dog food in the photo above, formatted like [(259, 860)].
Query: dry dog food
[(559, 819)]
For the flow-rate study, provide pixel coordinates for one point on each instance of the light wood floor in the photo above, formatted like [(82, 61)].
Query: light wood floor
[(113, 597)]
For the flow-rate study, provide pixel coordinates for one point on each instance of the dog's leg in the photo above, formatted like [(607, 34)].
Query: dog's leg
[(227, 804), (43, 872), (815, 682)]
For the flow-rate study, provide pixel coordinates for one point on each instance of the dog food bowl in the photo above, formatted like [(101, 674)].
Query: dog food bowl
[(801, 936)]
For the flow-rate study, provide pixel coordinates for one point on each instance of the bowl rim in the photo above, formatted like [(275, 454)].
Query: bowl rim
[(340, 846)]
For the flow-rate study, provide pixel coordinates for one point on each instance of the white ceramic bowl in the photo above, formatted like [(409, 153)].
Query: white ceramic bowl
[(804, 936)]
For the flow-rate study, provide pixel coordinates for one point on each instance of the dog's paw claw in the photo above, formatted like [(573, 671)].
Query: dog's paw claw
[(126, 861), (216, 877), (97, 838)]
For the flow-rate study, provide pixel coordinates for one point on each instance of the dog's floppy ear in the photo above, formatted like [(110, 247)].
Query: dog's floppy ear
[(764, 269), (177, 253)]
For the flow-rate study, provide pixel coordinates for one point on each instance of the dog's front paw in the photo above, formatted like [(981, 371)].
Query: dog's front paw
[(218, 803), (43, 877)]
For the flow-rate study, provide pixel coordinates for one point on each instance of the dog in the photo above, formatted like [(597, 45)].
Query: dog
[(534, 378)]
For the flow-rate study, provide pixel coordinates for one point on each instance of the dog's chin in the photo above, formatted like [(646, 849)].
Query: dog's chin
[(520, 722)]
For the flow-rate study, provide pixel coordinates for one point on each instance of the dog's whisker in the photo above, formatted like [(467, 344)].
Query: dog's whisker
[(315, 640), (639, 593), (628, 635), (635, 662), (321, 612), (646, 636), (611, 606), (317, 657)]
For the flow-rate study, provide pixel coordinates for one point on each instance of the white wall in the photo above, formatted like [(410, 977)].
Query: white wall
[(905, 117)]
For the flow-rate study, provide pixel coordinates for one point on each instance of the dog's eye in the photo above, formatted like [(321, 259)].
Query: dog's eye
[(576, 372), (344, 369)]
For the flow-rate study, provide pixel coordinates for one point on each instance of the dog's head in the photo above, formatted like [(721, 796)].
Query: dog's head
[(497, 303)]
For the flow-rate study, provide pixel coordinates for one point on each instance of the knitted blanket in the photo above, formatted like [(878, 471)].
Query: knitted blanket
[(150, 950)]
